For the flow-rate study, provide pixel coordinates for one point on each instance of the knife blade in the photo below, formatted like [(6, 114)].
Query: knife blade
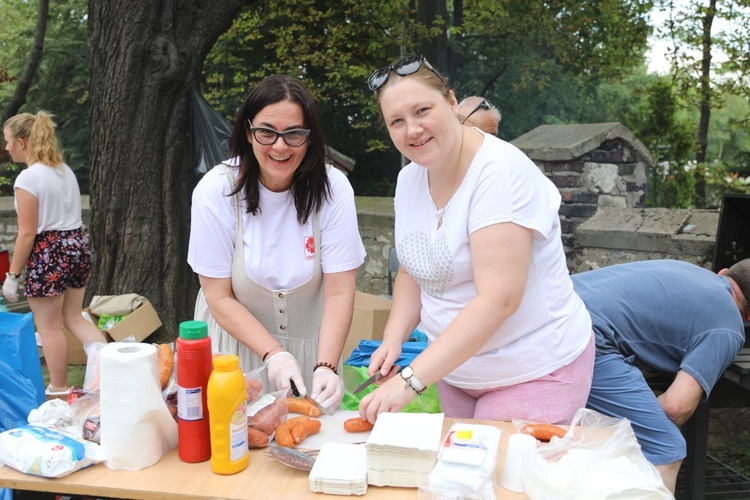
[(320, 407), (377, 376)]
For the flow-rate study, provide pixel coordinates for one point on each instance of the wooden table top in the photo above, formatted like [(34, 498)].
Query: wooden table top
[(171, 478)]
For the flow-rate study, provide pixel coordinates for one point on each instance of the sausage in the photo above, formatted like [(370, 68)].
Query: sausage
[(256, 438), (284, 431), (356, 424), (304, 429), (253, 386), (166, 364), (303, 407), (544, 432), (269, 417)]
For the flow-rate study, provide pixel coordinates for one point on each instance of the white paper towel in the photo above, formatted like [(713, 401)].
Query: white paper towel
[(137, 429)]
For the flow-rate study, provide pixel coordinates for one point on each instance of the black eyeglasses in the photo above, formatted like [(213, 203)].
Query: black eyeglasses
[(485, 104), (404, 67), (268, 136)]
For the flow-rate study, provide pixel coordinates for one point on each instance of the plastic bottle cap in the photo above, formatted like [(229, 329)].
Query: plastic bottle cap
[(226, 362), (191, 330)]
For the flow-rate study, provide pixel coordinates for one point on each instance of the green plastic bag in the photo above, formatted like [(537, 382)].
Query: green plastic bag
[(354, 376), (108, 321)]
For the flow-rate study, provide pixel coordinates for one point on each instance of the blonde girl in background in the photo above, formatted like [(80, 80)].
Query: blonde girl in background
[(51, 245)]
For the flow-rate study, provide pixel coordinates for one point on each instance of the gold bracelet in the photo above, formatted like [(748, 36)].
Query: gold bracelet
[(327, 365)]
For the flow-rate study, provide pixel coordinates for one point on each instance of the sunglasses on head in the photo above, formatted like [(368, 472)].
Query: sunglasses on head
[(404, 67), (485, 104)]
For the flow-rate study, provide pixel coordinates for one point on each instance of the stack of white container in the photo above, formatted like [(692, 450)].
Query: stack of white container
[(340, 469), (402, 449)]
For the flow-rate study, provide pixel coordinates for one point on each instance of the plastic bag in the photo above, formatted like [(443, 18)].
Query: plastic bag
[(46, 452), (600, 458), (354, 376), (466, 464), (21, 384), (264, 411), (361, 355)]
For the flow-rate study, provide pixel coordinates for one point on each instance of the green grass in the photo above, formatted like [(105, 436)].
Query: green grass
[(76, 374)]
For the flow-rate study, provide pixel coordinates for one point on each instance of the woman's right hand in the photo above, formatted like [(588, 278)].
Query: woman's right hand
[(384, 358), (283, 368)]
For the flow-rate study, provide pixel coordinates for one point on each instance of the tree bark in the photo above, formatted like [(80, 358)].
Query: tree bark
[(144, 57), (32, 64), (435, 49), (704, 91)]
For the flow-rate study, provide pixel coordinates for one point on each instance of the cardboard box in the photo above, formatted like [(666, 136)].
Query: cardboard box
[(139, 324), (368, 323)]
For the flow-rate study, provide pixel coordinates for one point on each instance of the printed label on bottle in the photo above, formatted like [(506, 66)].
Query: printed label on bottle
[(189, 403), (238, 444)]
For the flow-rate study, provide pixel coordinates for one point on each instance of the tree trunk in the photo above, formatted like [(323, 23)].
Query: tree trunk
[(705, 105), (435, 49), (144, 57), (32, 64)]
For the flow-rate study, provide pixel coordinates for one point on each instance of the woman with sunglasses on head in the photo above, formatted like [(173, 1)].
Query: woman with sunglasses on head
[(482, 268), (275, 242), (51, 245)]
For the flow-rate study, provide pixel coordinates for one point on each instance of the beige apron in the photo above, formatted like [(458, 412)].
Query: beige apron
[(292, 316)]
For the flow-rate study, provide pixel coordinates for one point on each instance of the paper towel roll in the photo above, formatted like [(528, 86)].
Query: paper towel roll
[(137, 429)]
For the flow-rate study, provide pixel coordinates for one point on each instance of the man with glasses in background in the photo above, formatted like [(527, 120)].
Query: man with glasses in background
[(481, 113)]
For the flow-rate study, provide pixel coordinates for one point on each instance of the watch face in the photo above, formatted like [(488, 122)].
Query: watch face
[(407, 373)]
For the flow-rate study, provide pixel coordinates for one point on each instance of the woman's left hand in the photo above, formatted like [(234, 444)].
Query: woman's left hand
[(10, 288), (328, 388), (392, 396)]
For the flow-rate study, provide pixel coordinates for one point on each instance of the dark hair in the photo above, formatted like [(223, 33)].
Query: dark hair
[(740, 272), (310, 185)]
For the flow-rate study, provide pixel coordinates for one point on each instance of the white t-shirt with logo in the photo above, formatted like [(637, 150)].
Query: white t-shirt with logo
[(279, 252), (551, 327)]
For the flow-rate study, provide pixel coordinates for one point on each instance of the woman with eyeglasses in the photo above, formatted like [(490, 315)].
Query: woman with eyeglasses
[(275, 242), (482, 268)]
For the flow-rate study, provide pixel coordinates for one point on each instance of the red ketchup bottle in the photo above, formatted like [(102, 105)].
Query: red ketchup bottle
[(194, 366)]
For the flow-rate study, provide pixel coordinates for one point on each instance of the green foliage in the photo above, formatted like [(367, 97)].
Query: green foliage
[(332, 47), (61, 84)]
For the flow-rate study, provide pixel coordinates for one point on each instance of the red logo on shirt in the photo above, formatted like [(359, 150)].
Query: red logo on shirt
[(309, 248)]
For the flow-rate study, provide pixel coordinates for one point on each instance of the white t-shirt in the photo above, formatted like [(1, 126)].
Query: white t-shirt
[(279, 253), (551, 327), (57, 193)]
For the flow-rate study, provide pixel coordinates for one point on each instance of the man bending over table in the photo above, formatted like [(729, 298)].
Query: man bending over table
[(669, 316)]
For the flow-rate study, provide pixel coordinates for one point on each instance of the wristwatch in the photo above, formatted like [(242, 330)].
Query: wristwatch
[(412, 381), (13, 276)]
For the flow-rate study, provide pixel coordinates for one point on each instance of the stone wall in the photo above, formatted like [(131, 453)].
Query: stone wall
[(593, 165)]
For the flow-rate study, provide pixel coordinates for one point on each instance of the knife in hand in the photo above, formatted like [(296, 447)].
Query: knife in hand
[(320, 407), (377, 376)]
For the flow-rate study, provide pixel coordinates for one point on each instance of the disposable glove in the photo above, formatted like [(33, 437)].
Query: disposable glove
[(10, 288), (328, 388), (282, 368)]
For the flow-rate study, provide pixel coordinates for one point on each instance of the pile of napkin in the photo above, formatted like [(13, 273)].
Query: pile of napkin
[(340, 469), (402, 449), (466, 463)]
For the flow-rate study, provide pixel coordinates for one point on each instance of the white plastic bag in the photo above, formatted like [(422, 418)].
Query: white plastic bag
[(599, 459)]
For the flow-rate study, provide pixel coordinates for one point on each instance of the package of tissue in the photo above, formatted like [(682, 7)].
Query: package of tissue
[(45, 452)]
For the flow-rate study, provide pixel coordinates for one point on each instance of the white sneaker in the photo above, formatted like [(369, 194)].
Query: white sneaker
[(50, 392)]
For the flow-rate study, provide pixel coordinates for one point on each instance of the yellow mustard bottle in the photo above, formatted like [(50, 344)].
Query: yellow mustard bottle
[(227, 413)]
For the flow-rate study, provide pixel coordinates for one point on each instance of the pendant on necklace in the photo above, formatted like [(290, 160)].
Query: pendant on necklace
[(440, 222)]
